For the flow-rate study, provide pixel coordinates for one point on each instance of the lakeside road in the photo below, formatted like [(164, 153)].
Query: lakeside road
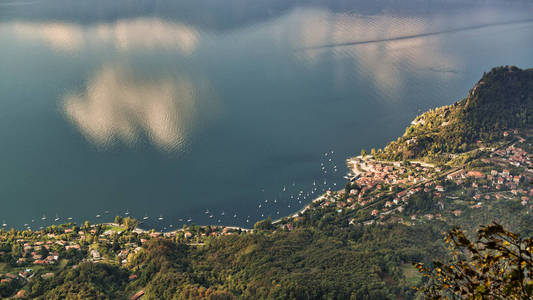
[(139, 230), (301, 211)]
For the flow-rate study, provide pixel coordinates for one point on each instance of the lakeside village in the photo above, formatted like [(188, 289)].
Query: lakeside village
[(415, 191), (379, 192)]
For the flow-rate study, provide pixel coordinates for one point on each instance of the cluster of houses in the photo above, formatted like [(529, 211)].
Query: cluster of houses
[(494, 185), (374, 180), (43, 248), (32, 252), (8, 277), (515, 156), (371, 173), (208, 231)]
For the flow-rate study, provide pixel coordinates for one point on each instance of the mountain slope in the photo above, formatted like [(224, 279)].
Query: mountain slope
[(501, 100)]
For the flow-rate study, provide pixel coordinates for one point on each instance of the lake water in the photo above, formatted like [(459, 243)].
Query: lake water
[(171, 108)]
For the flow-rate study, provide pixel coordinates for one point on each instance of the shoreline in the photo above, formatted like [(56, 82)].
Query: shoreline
[(353, 173), (139, 229)]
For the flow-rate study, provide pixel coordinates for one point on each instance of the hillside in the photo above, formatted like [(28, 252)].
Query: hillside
[(501, 100), (356, 243)]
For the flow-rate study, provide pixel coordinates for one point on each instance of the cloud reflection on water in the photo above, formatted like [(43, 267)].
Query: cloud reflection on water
[(117, 106), (124, 35), (378, 61)]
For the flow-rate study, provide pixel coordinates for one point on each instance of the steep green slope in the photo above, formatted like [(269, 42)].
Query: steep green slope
[(501, 100)]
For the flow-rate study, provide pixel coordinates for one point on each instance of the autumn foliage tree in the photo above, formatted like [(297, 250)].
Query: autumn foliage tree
[(498, 265)]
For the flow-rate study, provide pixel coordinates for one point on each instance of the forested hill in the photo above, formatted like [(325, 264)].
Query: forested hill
[(501, 100)]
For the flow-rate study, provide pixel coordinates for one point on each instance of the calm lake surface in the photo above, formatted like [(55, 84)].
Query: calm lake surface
[(166, 109)]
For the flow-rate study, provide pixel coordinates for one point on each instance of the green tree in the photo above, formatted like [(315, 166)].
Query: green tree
[(264, 224), (130, 223), (363, 153), (118, 220)]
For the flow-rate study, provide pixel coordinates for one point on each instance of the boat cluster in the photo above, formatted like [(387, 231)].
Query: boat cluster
[(287, 198)]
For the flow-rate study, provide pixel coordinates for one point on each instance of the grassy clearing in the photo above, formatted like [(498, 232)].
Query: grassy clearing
[(411, 274), (115, 228)]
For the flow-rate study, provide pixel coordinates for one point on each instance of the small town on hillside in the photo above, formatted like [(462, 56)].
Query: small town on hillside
[(384, 190)]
